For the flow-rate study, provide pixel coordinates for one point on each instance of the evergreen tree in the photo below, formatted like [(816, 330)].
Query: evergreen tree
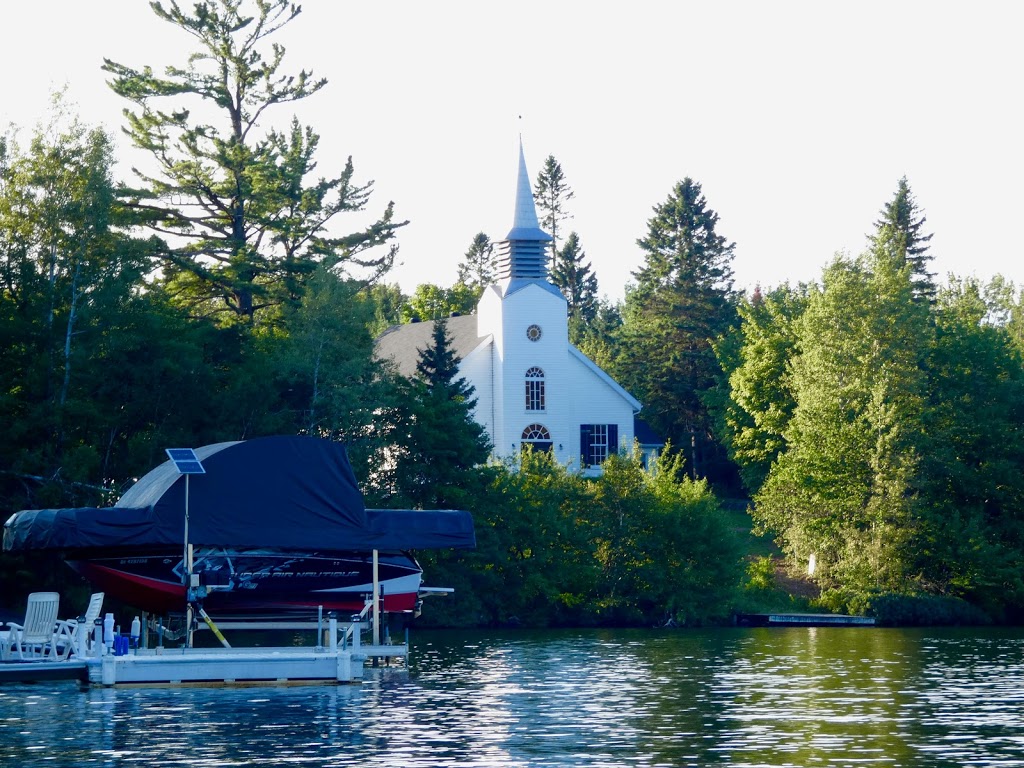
[(682, 301), (573, 276), (552, 193), (906, 221), (599, 339), (444, 442), (477, 267), (246, 225)]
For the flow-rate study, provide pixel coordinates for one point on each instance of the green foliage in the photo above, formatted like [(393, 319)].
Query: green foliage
[(897, 610), (973, 521), (845, 488), (682, 302), (884, 418), (905, 223), (431, 302), (552, 193), (598, 339), (755, 358), (438, 440), (330, 385), (578, 284), (247, 224), (477, 269), (387, 302), (627, 548)]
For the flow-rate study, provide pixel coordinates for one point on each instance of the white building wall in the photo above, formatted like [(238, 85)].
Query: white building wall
[(476, 369), (534, 305), (595, 401)]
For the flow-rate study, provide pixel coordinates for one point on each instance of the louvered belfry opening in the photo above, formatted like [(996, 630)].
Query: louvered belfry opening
[(524, 252)]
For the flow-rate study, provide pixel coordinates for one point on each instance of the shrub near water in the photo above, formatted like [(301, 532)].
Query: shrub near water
[(895, 610), (554, 548)]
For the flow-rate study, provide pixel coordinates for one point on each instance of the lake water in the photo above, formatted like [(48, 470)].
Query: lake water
[(726, 697)]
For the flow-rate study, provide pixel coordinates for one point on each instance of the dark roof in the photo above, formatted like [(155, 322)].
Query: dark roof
[(402, 343)]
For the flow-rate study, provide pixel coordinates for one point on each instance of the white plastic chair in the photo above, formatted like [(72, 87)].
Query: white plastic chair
[(75, 635), (36, 639)]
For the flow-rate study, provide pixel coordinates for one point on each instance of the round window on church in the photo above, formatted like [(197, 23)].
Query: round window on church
[(533, 333)]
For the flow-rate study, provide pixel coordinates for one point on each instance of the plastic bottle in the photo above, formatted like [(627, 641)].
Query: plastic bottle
[(108, 631), (136, 632)]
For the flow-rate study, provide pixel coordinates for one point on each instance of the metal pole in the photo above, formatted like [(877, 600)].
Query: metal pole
[(376, 600), (185, 559), (188, 577)]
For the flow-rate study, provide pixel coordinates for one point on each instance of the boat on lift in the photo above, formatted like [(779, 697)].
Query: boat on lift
[(277, 526)]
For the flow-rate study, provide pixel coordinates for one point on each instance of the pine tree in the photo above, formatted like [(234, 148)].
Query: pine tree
[(444, 441), (477, 267), (578, 283), (551, 193), (682, 301), (247, 227), (902, 215)]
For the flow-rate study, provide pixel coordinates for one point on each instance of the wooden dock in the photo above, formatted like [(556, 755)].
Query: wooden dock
[(802, 620)]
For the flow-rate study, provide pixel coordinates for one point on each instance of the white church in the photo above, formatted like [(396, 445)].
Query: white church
[(533, 387)]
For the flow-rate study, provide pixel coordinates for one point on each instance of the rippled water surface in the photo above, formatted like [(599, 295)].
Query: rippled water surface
[(733, 697)]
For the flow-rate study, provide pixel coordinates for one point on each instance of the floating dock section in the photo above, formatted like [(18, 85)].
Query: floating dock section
[(235, 666), (341, 659), (332, 663), (802, 620)]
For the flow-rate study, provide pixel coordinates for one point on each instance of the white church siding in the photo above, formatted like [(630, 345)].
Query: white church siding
[(598, 400), (476, 368)]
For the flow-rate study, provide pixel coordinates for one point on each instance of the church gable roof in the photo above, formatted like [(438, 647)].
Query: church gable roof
[(401, 344)]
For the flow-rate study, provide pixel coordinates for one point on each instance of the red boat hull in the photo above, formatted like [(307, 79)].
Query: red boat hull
[(254, 581)]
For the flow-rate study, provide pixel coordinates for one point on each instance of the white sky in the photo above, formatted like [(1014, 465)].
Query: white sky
[(798, 118)]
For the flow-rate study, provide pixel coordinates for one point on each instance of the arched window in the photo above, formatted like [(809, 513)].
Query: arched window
[(535, 389), (536, 436)]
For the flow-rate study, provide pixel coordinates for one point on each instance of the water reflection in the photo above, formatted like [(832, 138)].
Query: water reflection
[(752, 697)]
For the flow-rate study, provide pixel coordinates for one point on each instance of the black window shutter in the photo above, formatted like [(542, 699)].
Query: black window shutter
[(613, 439), (584, 445)]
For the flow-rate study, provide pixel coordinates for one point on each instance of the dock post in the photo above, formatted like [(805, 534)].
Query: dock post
[(82, 640), (108, 670), (332, 628), (344, 667)]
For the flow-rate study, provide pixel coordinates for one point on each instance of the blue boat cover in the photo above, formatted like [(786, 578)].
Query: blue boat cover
[(275, 492)]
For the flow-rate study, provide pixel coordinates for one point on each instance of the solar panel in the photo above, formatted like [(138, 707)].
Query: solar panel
[(186, 461)]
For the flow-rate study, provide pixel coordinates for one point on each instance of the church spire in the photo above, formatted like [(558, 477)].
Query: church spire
[(523, 253)]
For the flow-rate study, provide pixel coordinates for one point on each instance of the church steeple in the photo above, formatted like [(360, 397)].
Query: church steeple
[(523, 253)]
